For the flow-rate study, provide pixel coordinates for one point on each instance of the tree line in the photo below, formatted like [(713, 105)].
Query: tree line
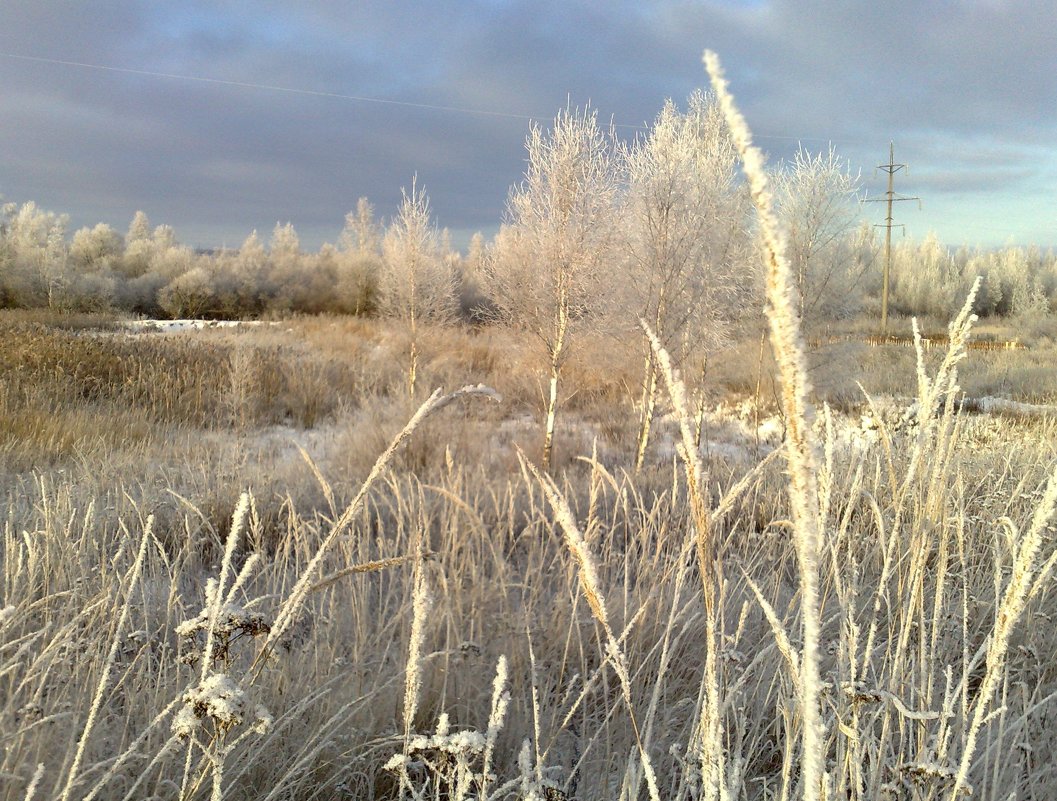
[(661, 222), (664, 214)]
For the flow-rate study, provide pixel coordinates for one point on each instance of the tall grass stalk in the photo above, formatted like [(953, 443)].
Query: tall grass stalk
[(711, 755), (421, 603), (238, 519), (104, 679), (31, 788), (801, 449), (500, 704), (591, 587), (1014, 599)]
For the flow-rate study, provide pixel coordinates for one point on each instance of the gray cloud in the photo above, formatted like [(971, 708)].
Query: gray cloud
[(965, 89), (961, 181)]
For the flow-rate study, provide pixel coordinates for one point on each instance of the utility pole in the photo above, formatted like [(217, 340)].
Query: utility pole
[(890, 197)]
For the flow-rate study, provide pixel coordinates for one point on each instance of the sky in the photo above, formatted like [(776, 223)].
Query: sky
[(226, 116)]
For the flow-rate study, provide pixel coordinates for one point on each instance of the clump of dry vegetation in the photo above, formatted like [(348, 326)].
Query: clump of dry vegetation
[(252, 564)]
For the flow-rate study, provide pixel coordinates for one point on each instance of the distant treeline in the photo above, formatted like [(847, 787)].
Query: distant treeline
[(929, 278), (147, 271), (664, 228)]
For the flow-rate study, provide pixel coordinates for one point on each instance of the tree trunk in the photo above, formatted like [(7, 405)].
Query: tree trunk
[(412, 370), (700, 423), (649, 404), (557, 348), (552, 411)]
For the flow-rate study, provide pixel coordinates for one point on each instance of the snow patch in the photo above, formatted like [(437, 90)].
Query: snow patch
[(990, 404), (179, 326)]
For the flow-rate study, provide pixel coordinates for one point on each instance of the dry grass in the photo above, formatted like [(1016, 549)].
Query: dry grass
[(911, 583)]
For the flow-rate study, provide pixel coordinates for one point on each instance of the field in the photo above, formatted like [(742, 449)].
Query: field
[(457, 624), (706, 560)]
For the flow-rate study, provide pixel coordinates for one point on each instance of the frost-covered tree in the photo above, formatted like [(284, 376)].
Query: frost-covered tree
[(361, 233), (1023, 290), (358, 261), (139, 247), (548, 275), (929, 278), (95, 255), (240, 278), (152, 260), (474, 303), (163, 237), (416, 283), (139, 228), (476, 253), (286, 284), (818, 205), (322, 272), (51, 267), (97, 249), (686, 237), (191, 294), (924, 280), (36, 270), (312, 289)]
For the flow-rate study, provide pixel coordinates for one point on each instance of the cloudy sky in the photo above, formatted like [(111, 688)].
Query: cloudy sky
[(967, 89)]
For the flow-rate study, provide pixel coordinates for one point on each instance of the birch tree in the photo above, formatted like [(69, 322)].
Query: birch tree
[(358, 260), (360, 234), (686, 238), (35, 254), (416, 283), (547, 276), (819, 209), (139, 247)]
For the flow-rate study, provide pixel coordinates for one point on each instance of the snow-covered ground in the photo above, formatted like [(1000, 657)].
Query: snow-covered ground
[(734, 432), (176, 326), (990, 404)]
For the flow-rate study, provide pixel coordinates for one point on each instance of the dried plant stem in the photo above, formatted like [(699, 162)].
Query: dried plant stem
[(238, 519), (801, 447), (648, 404), (500, 703), (97, 699), (711, 754), (591, 587), (422, 602), (1014, 599), (363, 567), (31, 788), (288, 612)]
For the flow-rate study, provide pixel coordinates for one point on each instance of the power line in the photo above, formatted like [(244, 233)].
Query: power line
[(268, 87), (342, 96), (289, 89)]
